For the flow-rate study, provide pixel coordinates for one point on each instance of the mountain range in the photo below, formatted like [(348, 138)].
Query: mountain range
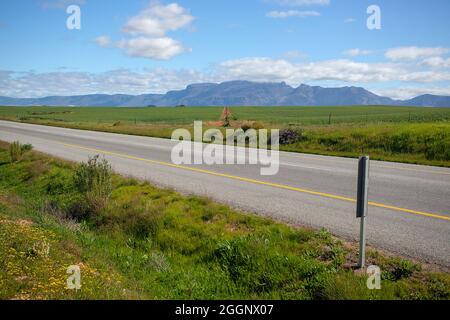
[(236, 93)]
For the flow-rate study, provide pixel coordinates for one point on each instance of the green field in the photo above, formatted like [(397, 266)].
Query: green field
[(132, 240), (269, 115), (402, 134)]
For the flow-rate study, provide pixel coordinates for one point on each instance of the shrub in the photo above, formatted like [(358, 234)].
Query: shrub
[(289, 136), (78, 209), (26, 147), (94, 175), (94, 181), (15, 151), (58, 183)]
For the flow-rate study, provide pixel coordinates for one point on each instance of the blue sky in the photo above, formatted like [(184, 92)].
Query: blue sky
[(140, 46)]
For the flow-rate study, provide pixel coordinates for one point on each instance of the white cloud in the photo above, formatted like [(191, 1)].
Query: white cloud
[(411, 78), (295, 3), (153, 48), (292, 13), (413, 53), (30, 84), (266, 69), (158, 19), (357, 52), (425, 76), (341, 71), (404, 93), (437, 62), (147, 32), (349, 20), (103, 41)]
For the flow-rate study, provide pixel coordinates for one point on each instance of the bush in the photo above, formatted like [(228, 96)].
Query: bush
[(94, 181), (289, 136), (58, 183), (26, 147), (94, 175), (17, 150), (78, 209)]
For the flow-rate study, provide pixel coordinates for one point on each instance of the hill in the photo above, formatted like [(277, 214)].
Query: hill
[(236, 93)]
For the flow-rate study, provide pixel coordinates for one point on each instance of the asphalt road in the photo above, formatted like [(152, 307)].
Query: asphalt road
[(410, 204)]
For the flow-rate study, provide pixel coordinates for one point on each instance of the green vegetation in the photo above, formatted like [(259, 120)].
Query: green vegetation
[(148, 243), (426, 143), (16, 150), (268, 115), (403, 134), (93, 181)]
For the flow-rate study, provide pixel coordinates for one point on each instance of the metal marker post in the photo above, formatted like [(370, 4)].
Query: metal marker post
[(361, 205)]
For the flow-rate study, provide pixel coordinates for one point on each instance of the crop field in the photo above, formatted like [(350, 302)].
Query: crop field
[(269, 115), (401, 134)]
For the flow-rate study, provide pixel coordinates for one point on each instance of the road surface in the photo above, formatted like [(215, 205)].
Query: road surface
[(410, 204)]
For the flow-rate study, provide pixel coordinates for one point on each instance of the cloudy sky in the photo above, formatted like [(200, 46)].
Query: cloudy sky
[(141, 46)]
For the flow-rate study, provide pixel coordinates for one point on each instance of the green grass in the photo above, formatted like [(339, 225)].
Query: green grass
[(151, 243), (423, 143), (401, 134), (272, 115)]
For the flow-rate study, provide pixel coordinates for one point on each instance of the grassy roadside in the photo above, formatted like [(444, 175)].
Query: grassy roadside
[(133, 240), (418, 143), (409, 135)]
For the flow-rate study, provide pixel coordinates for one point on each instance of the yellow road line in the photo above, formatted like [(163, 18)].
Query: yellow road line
[(276, 185)]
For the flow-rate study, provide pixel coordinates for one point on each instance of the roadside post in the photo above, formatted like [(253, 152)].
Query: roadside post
[(361, 205)]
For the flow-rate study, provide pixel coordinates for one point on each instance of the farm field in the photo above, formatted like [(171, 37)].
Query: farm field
[(402, 134), (268, 115)]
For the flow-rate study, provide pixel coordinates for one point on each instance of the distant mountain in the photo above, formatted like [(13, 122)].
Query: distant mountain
[(233, 93), (429, 100), (346, 96), (236, 93)]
